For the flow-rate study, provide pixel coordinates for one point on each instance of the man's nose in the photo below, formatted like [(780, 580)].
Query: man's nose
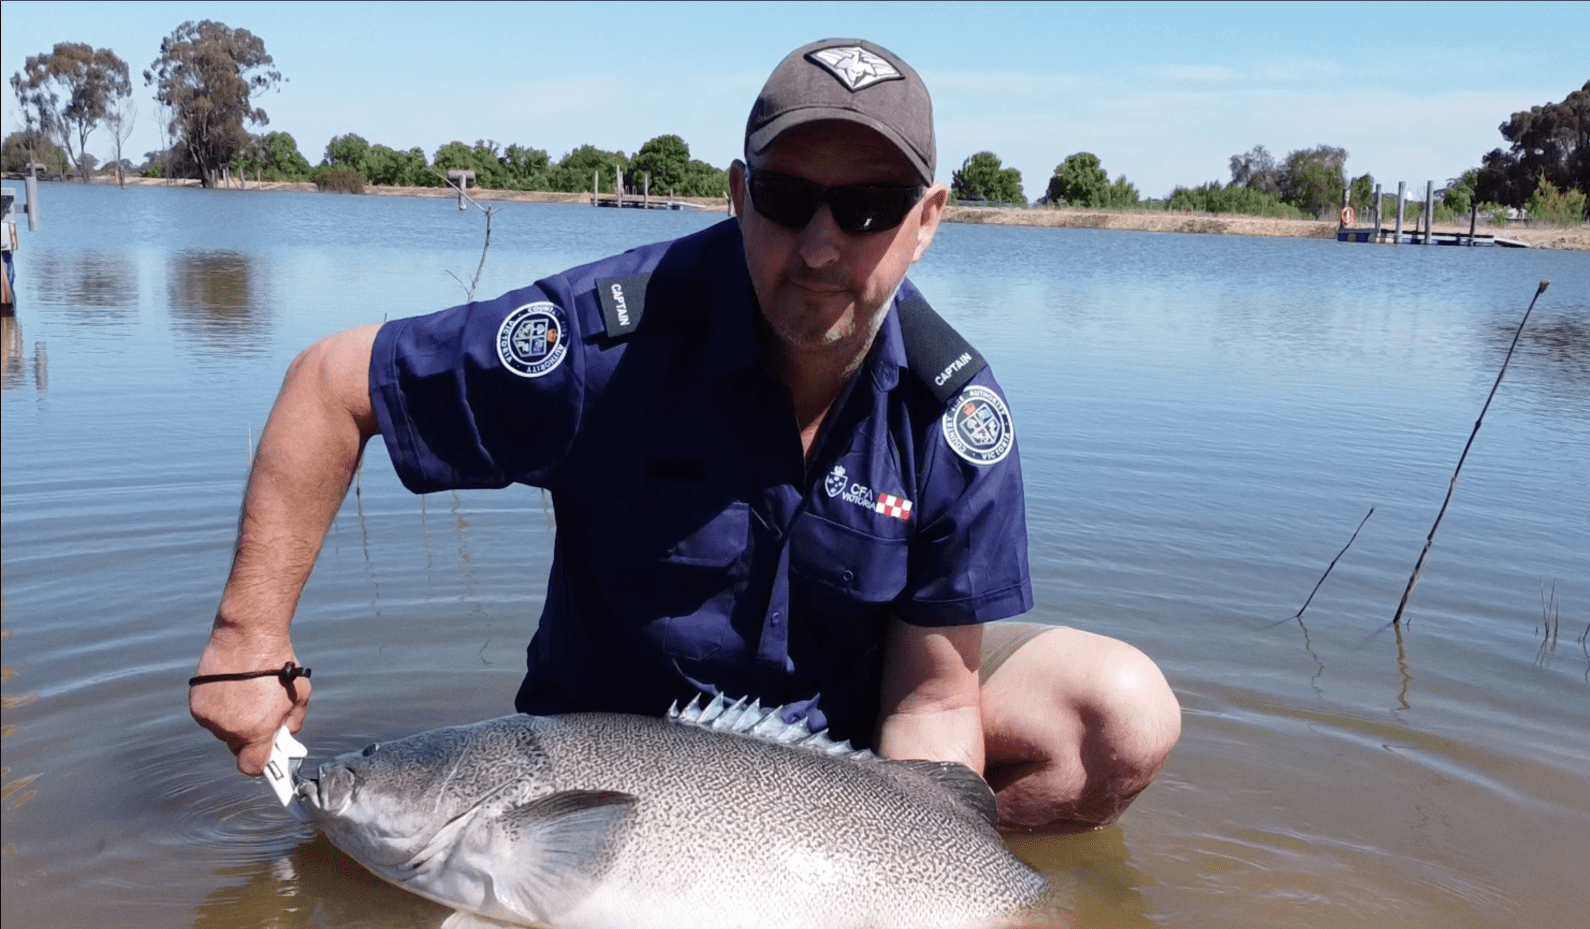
[(820, 241)]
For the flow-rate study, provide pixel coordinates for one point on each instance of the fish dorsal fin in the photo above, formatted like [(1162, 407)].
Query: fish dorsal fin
[(561, 845), (753, 721), (963, 785)]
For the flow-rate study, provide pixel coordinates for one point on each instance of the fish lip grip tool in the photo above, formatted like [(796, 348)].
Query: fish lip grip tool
[(281, 772)]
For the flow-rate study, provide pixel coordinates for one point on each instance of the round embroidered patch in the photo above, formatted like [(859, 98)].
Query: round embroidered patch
[(977, 426), (533, 339)]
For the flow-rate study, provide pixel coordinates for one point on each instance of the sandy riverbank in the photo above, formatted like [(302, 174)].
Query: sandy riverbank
[(1575, 238)]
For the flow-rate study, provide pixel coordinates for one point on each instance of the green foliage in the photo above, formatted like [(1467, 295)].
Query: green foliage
[(273, 157), (1549, 142), (1231, 198), (208, 74), (665, 159), (983, 177), (1459, 195), (525, 168), (1361, 193), (1079, 181), (68, 92), (1314, 179), (573, 173), (350, 150), (24, 146), (1550, 204), (383, 165), (1122, 195), (339, 179)]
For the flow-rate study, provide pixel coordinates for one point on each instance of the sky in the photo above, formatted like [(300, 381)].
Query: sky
[(1164, 93)]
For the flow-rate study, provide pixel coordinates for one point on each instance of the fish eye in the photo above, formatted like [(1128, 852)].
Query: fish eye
[(371, 749)]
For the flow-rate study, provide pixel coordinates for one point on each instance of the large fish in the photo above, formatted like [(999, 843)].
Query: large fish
[(718, 816)]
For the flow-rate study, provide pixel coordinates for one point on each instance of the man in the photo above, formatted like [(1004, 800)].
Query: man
[(776, 471)]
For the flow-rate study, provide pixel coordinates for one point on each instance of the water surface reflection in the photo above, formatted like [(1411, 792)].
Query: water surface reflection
[(215, 304)]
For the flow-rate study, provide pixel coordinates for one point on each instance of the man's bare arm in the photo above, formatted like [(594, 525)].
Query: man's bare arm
[(307, 455), (931, 705)]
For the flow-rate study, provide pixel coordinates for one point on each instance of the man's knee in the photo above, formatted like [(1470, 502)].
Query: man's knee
[(1079, 723)]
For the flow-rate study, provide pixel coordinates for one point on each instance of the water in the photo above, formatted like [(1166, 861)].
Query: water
[(1204, 421)]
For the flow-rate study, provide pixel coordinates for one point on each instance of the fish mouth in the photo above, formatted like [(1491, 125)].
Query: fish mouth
[(328, 793)]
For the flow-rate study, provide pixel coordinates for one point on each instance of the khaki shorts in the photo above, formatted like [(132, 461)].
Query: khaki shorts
[(1001, 639)]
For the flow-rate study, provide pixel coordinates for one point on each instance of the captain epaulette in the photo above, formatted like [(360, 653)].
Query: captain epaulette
[(935, 351)]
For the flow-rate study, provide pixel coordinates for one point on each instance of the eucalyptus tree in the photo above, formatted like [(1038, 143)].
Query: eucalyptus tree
[(68, 91), (208, 74)]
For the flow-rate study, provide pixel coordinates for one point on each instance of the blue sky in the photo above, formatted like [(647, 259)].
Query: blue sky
[(1163, 93)]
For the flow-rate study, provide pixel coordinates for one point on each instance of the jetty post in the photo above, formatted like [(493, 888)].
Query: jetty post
[(618, 186), (1402, 190), (596, 184), (645, 190), (1429, 211), (1377, 212), (32, 186), (460, 177)]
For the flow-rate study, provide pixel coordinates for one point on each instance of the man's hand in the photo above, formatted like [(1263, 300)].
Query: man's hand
[(246, 714)]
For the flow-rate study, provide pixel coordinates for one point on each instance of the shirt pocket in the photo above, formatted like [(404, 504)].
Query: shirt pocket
[(704, 552)]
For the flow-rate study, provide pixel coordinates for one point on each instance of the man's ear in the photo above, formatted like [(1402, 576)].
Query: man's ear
[(932, 206), (737, 186)]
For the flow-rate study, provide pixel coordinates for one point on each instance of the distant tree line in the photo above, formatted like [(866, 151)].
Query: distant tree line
[(207, 80)]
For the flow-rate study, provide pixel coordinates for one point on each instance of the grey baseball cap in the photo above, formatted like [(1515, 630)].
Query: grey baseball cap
[(852, 80)]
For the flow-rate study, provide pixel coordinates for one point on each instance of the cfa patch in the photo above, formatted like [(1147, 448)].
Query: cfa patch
[(533, 340), (978, 427)]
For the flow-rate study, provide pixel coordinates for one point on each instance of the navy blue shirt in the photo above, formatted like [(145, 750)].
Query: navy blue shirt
[(696, 552)]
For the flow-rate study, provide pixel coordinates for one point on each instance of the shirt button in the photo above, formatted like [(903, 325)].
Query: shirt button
[(848, 576), (772, 618)]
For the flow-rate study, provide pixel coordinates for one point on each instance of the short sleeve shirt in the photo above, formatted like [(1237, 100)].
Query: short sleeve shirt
[(696, 551)]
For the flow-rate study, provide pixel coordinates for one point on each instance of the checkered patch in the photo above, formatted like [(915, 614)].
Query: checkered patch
[(890, 505)]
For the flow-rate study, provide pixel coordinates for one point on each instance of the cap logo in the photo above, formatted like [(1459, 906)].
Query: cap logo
[(854, 66)]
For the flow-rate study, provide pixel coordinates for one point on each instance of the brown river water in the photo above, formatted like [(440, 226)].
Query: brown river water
[(1204, 421)]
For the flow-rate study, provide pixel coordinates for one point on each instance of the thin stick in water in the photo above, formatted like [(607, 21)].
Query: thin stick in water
[(1322, 577), (1451, 486)]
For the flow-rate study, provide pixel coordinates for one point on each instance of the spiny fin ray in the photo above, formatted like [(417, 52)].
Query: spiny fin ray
[(755, 722)]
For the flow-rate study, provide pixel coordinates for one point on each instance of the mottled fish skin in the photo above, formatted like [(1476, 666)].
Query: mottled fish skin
[(605, 821)]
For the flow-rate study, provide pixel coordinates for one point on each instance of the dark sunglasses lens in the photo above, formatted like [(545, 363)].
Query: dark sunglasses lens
[(871, 209), (788, 201)]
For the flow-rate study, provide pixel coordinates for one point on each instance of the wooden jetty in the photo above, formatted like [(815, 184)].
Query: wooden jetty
[(628, 201)]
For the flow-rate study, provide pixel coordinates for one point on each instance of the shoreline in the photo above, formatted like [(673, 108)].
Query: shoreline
[(1572, 238)]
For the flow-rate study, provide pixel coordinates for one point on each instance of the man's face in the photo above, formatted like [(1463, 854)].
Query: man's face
[(823, 291)]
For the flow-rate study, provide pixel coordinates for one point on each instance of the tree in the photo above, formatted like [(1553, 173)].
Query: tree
[(406, 169), (27, 146), (69, 91), (1549, 142), (573, 172), (120, 121), (208, 74), (1361, 193), (1256, 169), (275, 156), (1459, 193), (1080, 181), (351, 150), (664, 158), (1314, 179), (525, 168), (983, 177)]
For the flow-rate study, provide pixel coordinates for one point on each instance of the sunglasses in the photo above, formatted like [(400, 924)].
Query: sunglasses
[(858, 208)]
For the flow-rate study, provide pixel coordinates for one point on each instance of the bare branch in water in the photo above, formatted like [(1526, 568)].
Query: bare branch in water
[(1322, 577), (1430, 539), (469, 291)]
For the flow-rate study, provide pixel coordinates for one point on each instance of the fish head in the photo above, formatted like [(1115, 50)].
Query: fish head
[(395, 805)]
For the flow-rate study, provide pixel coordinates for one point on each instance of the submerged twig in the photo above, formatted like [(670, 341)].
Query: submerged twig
[(1452, 485), (1299, 613)]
